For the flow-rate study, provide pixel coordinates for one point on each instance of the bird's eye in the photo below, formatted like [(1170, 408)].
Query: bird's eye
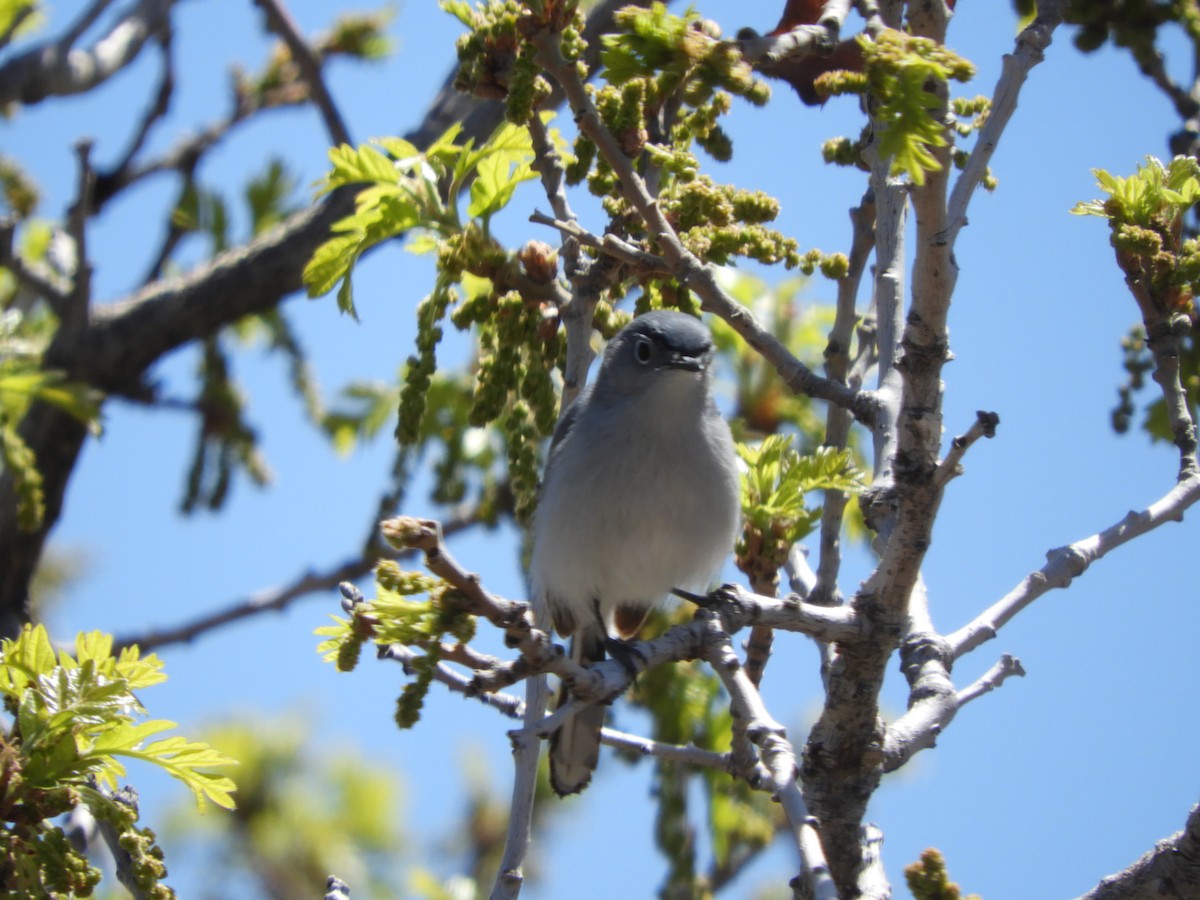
[(643, 350)]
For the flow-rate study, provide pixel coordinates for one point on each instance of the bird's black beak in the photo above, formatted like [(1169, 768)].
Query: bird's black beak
[(688, 362)]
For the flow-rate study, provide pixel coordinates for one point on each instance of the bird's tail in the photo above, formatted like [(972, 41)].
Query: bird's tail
[(575, 748)]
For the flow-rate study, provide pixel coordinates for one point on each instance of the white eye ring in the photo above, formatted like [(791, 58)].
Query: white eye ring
[(643, 350)]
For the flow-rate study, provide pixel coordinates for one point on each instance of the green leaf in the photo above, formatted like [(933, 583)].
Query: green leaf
[(460, 9), (359, 165), (399, 148), (495, 182), (186, 761), (77, 714), (330, 262), (11, 9)]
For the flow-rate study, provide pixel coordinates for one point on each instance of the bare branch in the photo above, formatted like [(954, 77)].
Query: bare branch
[(1067, 563), (950, 467), (611, 244), (74, 314), (801, 41), (1165, 340), (837, 367), (1154, 67), (926, 662), (271, 600), (58, 69), (507, 704), (778, 760), (933, 702), (280, 21), (1004, 668), (1031, 47), (690, 754), (805, 831), (1171, 869), (86, 20), (739, 608)]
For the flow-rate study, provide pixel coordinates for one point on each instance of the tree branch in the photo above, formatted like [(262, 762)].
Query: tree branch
[(837, 367), (1030, 50), (951, 467), (1065, 564), (279, 20), (1171, 869), (58, 69)]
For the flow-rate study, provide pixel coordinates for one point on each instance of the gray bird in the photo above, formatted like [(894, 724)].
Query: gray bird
[(640, 495)]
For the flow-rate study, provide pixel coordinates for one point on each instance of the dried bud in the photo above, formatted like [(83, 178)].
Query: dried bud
[(403, 532), (540, 261), (633, 140)]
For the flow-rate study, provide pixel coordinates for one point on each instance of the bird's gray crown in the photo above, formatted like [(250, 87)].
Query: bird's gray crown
[(654, 342)]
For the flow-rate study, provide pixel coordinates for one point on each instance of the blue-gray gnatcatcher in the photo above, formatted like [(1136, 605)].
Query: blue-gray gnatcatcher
[(640, 495)]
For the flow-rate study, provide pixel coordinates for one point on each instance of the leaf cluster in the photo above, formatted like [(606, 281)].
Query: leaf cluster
[(73, 718), (18, 193), (496, 61), (1145, 214), (399, 615), (506, 294), (775, 483), (904, 77), (669, 80), (401, 189), (23, 380)]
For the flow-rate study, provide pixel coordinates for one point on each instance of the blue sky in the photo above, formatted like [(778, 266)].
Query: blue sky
[(1054, 781)]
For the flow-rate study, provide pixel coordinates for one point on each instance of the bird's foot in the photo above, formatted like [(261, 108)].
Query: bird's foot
[(711, 600), (627, 654)]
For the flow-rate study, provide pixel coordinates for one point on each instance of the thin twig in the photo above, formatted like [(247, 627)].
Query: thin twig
[(506, 704), (984, 426), (806, 833), (279, 20), (270, 600), (837, 367), (85, 21), (1165, 338), (778, 769), (75, 315), (58, 68), (1004, 668), (1030, 50)]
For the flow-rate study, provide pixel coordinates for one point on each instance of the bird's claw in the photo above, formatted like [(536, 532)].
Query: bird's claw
[(627, 654)]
